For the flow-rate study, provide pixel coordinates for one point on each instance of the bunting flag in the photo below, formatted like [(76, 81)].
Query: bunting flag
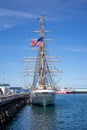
[(38, 42)]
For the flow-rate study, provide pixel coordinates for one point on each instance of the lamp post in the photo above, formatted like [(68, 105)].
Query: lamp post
[(3, 78)]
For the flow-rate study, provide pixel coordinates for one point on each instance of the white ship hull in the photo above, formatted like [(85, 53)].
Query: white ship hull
[(43, 97)]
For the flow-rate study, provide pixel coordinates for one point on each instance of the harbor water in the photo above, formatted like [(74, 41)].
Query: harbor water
[(68, 113)]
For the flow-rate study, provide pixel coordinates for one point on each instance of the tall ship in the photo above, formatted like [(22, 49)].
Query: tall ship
[(43, 88)]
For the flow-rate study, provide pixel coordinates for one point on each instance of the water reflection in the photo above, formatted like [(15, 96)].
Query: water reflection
[(43, 118), (35, 118)]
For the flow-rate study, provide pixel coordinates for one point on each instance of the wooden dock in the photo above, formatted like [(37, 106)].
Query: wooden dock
[(10, 105)]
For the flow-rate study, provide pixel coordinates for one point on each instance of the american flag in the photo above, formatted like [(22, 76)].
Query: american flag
[(38, 42)]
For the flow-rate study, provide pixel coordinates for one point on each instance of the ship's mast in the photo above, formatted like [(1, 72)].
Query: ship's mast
[(42, 26), (42, 76), (41, 56)]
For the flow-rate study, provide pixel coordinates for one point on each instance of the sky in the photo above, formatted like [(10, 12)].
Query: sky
[(67, 22)]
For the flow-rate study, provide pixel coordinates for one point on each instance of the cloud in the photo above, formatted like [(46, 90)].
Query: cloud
[(14, 47), (17, 12), (77, 49), (81, 78), (12, 13), (5, 26), (10, 18)]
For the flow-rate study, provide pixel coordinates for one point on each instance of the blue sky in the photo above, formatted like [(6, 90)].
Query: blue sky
[(67, 21)]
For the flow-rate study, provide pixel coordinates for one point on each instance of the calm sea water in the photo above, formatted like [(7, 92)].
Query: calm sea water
[(68, 113)]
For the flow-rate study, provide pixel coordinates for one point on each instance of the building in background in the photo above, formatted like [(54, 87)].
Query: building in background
[(4, 88)]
